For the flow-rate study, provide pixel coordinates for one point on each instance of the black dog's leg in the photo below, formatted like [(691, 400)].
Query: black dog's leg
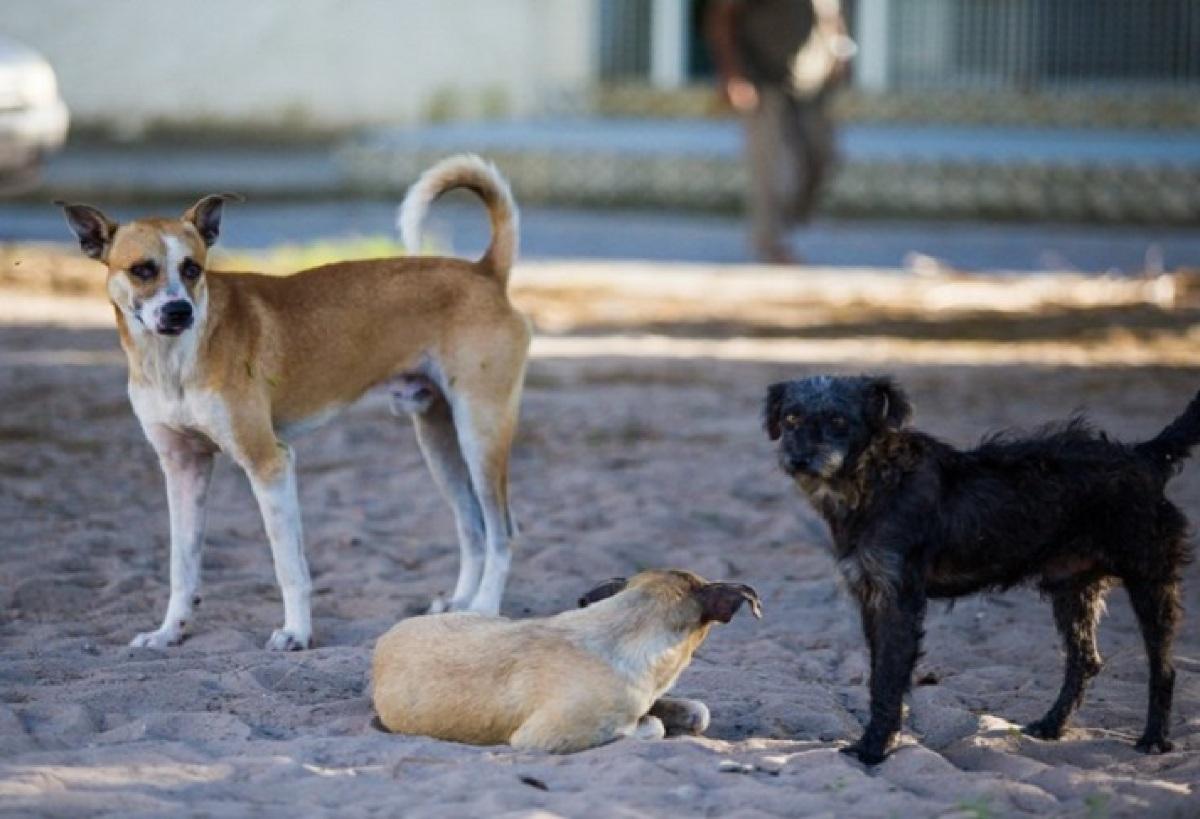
[(869, 619), (1157, 608), (894, 627), (1076, 612)]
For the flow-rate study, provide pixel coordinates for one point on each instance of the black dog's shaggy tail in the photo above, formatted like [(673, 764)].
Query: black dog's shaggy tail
[(1167, 450)]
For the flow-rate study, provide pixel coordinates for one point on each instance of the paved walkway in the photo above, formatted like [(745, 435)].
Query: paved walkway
[(859, 142), (141, 172), (555, 233), (931, 172)]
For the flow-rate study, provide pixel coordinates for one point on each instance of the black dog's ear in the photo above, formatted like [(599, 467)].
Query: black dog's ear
[(92, 228), (720, 601), (889, 405), (773, 408), (605, 590), (206, 215)]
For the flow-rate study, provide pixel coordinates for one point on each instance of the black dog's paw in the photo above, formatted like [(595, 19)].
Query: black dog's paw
[(1044, 729), (866, 754), (1155, 745)]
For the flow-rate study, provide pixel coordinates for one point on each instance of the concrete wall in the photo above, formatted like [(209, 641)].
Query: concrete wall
[(307, 63)]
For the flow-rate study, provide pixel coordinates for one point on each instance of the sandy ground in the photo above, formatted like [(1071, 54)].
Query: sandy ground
[(633, 453)]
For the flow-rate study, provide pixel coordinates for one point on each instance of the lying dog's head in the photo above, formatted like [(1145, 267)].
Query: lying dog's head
[(655, 621), (155, 266), (824, 423), (684, 599)]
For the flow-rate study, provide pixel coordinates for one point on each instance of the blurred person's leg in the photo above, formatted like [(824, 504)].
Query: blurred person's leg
[(810, 141), (772, 176)]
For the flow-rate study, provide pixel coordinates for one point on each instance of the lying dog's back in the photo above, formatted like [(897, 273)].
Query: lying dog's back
[(563, 683), (469, 678)]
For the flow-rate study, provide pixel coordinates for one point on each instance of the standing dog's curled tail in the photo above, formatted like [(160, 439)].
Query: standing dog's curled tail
[(1168, 449), (476, 174)]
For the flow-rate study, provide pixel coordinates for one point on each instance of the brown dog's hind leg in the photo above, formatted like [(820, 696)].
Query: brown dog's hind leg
[(482, 377), (1077, 610), (1156, 604), (485, 428), (439, 445)]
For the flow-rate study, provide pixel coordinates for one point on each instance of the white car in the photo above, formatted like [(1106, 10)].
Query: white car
[(33, 118)]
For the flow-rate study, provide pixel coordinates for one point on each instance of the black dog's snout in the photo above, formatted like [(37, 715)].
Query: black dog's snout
[(793, 463), (177, 313)]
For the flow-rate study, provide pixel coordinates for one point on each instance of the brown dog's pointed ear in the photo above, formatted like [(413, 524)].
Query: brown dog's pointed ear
[(720, 601), (206, 215), (773, 408), (92, 228), (605, 590), (889, 405)]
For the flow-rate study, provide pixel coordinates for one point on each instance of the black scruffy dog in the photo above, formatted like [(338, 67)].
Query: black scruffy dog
[(913, 518)]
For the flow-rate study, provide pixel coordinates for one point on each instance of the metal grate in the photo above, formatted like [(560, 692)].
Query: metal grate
[(624, 46), (1044, 44)]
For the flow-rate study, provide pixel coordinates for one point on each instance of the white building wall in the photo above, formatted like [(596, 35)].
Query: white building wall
[(318, 63)]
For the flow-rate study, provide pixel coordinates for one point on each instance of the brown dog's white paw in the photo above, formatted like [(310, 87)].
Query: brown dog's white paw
[(284, 640), (441, 604), (160, 639)]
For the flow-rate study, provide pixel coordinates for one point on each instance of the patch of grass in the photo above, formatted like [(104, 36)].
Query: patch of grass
[(980, 807), (1097, 805), (288, 258)]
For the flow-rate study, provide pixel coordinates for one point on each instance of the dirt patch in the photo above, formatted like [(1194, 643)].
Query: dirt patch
[(625, 461)]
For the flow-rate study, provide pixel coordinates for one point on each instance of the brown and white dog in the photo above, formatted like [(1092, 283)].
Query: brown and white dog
[(240, 362), (560, 684)]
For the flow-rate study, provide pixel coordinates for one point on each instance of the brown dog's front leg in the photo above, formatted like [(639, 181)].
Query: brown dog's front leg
[(895, 623)]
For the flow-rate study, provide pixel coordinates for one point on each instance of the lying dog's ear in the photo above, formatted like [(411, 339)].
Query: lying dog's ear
[(206, 215), (888, 404), (92, 228), (720, 601), (605, 590), (773, 408)]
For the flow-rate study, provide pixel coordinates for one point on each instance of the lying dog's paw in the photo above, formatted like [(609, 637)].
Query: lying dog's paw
[(284, 640), (1044, 729), (696, 719), (681, 716), (648, 727), (160, 639), (864, 753), (1155, 745)]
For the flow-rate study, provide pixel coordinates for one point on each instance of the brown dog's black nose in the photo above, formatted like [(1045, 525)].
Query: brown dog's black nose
[(177, 314)]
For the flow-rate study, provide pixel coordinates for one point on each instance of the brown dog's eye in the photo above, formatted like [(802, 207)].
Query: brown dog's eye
[(190, 269), (792, 420), (143, 270)]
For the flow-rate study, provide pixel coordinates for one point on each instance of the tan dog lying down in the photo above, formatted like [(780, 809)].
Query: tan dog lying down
[(563, 683)]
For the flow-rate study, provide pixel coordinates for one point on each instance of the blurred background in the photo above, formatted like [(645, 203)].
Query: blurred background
[(975, 134), (1010, 227)]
